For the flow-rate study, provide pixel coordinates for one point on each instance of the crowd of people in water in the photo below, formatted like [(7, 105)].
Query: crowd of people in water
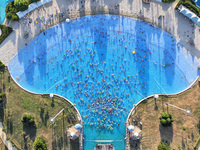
[(104, 69)]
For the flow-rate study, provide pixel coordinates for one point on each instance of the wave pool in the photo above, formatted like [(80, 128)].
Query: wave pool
[(104, 64)]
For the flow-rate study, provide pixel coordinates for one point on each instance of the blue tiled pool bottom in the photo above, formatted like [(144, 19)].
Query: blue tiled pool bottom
[(104, 64)]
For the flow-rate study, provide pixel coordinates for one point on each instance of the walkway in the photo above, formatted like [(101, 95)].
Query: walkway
[(58, 10), (3, 137)]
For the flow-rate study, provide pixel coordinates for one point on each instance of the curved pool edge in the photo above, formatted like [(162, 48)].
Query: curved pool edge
[(78, 113), (134, 16), (151, 96), (135, 104)]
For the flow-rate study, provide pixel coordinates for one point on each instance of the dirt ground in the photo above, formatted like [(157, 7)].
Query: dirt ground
[(184, 132)]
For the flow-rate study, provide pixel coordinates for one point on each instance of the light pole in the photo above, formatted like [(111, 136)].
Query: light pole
[(51, 95), (155, 98), (52, 119), (187, 111)]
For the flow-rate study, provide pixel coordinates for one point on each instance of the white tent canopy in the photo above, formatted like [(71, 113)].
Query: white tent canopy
[(32, 7), (189, 14), (131, 128), (0, 32)]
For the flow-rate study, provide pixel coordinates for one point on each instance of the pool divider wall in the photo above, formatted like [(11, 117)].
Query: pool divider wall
[(74, 105), (146, 98)]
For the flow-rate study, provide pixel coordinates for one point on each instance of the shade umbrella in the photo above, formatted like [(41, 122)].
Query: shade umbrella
[(131, 128), (136, 135), (67, 20), (72, 134), (0, 32), (51, 95), (78, 127)]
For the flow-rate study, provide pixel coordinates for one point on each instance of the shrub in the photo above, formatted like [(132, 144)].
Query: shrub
[(2, 67), (5, 32), (165, 115), (21, 5), (2, 94), (11, 8), (28, 119), (15, 17), (166, 119), (168, 1), (32, 1), (184, 128), (40, 143), (163, 122), (163, 146), (11, 11), (9, 15), (1, 97)]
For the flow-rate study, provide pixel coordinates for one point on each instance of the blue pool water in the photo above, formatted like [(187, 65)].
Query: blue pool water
[(197, 2), (3, 4), (104, 64)]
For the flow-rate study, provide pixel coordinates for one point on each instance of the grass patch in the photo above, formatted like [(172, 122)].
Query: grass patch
[(196, 145), (197, 112), (5, 32), (184, 128), (19, 102), (184, 131)]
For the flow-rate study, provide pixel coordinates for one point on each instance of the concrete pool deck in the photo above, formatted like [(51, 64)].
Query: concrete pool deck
[(176, 24)]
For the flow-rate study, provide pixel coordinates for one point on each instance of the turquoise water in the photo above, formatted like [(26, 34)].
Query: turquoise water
[(3, 4), (104, 64)]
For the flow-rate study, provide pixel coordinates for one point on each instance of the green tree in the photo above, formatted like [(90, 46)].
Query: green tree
[(28, 119), (166, 119), (21, 5), (11, 11), (40, 143), (163, 146)]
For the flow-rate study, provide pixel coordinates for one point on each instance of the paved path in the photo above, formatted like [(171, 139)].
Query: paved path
[(3, 137), (173, 22)]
